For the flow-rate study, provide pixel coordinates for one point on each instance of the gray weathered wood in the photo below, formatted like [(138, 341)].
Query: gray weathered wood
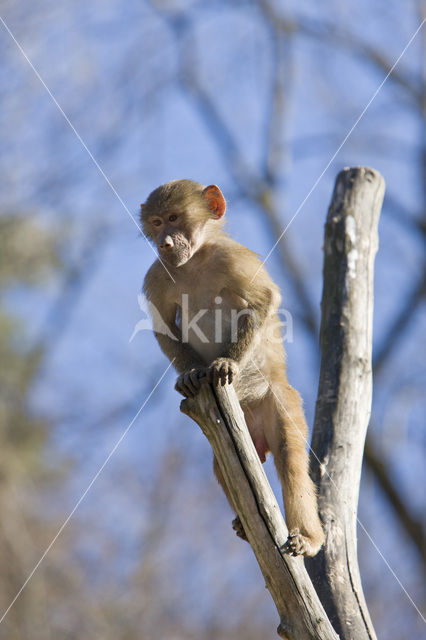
[(344, 395), (221, 419), (342, 415)]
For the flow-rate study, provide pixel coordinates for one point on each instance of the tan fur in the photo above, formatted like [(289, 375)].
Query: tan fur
[(208, 266)]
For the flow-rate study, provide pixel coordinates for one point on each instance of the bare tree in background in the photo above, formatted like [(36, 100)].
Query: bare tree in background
[(117, 73)]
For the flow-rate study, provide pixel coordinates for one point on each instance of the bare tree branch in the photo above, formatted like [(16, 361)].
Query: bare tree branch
[(327, 33), (344, 395), (221, 419)]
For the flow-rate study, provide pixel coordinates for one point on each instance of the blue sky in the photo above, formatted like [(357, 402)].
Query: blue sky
[(114, 69)]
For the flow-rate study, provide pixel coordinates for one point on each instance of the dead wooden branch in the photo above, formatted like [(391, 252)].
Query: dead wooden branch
[(222, 421), (344, 395), (343, 410)]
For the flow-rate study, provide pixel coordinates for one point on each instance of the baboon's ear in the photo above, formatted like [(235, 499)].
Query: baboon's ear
[(215, 200)]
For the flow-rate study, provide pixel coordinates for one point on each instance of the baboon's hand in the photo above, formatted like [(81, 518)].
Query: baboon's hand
[(189, 382), (222, 371)]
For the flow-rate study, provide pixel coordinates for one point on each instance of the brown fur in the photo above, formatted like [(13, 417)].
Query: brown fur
[(219, 275)]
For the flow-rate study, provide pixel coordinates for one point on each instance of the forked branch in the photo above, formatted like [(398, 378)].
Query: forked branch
[(343, 410)]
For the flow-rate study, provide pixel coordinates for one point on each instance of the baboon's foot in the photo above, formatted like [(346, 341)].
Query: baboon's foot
[(300, 545), (238, 528)]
